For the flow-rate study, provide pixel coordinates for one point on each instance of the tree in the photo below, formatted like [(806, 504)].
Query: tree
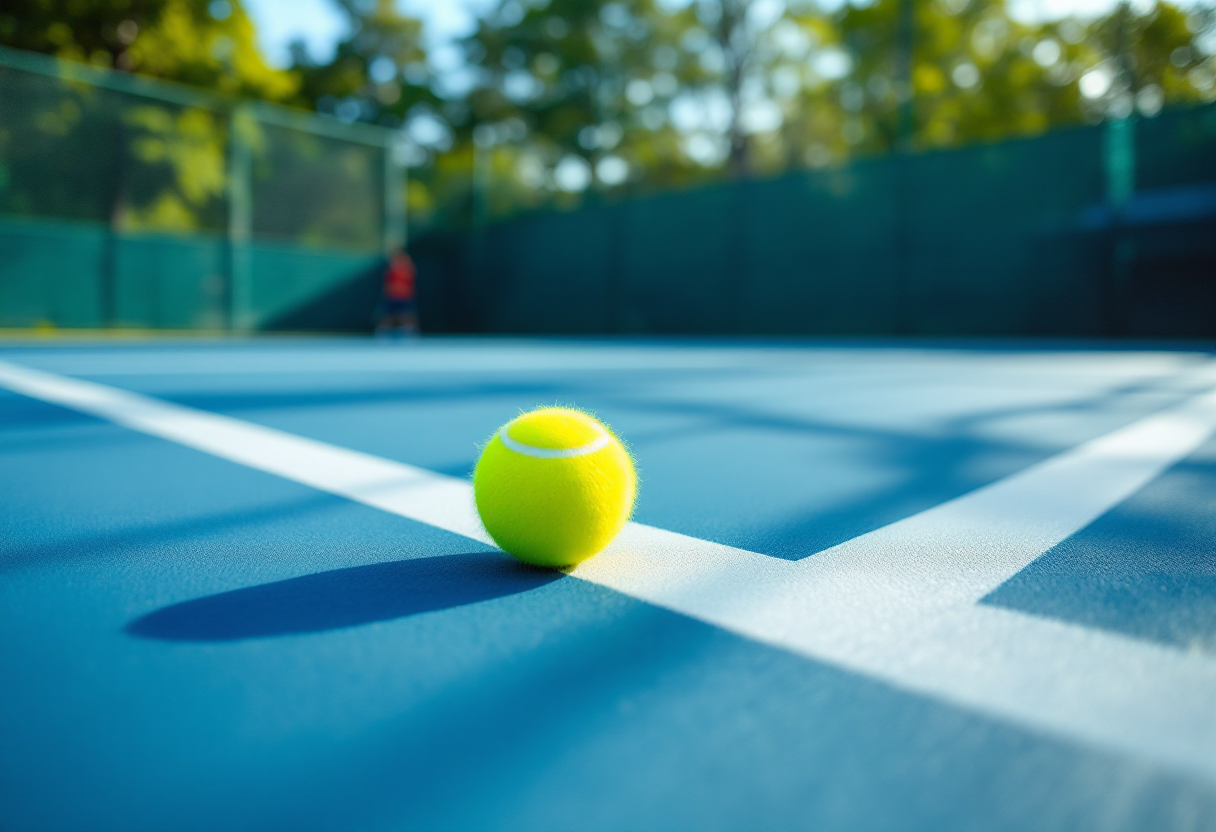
[(735, 35), (378, 73), (1143, 60), (979, 74), (574, 94), (205, 44), (561, 73), (136, 162), (972, 75)]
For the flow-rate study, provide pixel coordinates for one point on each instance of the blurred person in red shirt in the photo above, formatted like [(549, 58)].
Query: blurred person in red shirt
[(398, 312)]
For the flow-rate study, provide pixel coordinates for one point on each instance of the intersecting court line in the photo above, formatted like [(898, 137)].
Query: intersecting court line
[(898, 604)]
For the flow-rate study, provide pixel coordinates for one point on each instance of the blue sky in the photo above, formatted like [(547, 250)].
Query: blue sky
[(320, 24)]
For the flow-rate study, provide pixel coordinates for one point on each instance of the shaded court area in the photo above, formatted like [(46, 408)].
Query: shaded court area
[(193, 642)]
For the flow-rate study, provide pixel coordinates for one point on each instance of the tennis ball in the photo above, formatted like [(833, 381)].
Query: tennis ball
[(554, 486)]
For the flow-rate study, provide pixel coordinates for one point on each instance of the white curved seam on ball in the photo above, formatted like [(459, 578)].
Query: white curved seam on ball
[(591, 447)]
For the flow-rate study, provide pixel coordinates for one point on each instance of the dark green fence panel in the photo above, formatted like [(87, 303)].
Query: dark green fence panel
[(1105, 230), (443, 297), (679, 264), (544, 274), (1164, 244), (48, 274), (347, 303), (1175, 149), (290, 279), (169, 282), (52, 274), (995, 237), (821, 252)]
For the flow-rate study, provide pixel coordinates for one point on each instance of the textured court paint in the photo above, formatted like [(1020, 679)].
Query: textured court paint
[(781, 449), (859, 605), (653, 722), (899, 603), (1147, 570), (444, 502), (460, 358)]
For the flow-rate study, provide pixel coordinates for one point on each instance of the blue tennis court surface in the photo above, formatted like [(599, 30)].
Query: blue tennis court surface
[(872, 586)]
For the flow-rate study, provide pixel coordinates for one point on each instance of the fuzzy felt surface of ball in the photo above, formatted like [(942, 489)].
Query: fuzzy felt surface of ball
[(554, 486)]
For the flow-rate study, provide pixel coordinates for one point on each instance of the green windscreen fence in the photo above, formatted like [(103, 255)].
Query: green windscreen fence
[(129, 203), (1107, 230)]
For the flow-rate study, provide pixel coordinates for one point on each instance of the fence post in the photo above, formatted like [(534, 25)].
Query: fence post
[(114, 227), (240, 219), (1119, 167), (394, 192), (483, 296), (903, 300)]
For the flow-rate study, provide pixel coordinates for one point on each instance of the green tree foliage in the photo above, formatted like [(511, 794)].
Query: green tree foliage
[(560, 98), (690, 91), (83, 152), (163, 167), (583, 86), (379, 72), (146, 165), (204, 44), (1151, 59), (977, 74), (974, 74)]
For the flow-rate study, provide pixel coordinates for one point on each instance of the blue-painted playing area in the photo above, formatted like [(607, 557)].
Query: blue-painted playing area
[(187, 642)]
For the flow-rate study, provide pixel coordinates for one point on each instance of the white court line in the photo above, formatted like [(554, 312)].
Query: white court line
[(897, 604)]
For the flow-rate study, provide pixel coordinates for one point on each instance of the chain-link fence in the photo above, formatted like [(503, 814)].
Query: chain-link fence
[(126, 202)]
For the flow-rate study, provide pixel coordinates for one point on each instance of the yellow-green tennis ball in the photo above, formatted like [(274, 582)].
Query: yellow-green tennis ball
[(554, 486)]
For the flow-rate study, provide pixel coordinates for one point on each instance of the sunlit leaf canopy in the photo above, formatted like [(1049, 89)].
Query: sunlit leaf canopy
[(551, 102)]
